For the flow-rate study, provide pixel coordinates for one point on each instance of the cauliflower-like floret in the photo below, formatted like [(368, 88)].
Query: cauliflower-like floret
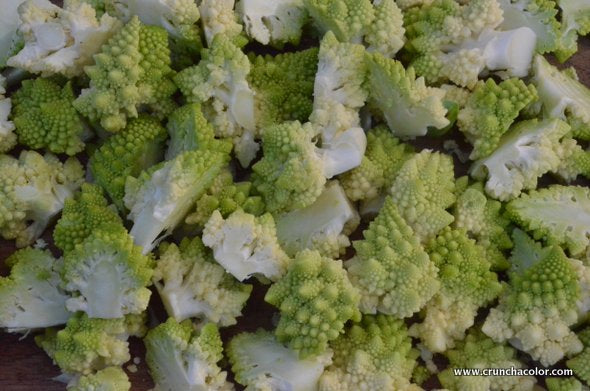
[(33, 190), (125, 154), (108, 379), (489, 112), (315, 299), (466, 284), (31, 297), (159, 199), (385, 34), (347, 19), (246, 245), (7, 135), (60, 40), (580, 364), (45, 118), (218, 18), (260, 362), (574, 160), (323, 225), (181, 358), (575, 21), (529, 150), (376, 353), (391, 269), (192, 285)]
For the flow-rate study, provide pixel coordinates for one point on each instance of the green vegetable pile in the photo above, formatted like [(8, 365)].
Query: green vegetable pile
[(194, 156)]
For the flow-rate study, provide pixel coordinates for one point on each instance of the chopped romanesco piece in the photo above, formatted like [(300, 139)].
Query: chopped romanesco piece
[(180, 358), (385, 34), (575, 20), (192, 285), (7, 135), (349, 20), (391, 269), (218, 18), (580, 364), (563, 384), (315, 299), (108, 379)]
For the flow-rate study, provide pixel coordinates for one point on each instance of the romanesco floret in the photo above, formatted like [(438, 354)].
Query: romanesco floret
[(226, 196), (315, 299), (31, 296), (323, 225), (108, 379), (384, 157), (87, 345), (246, 245), (219, 82), (9, 21), (273, 22), (422, 191), (575, 20), (218, 18), (127, 153), (107, 275), (580, 364), (479, 351), (81, 216), (385, 34), (260, 362), (181, 358), (349, 20), (159, 199), (489, 112), (33, 190), (529, 150), (60, 40), (391, 269), (557, 214), (374, 354), (563, 384), (45, 118), (189, 130), (132, 68), (483, 219), (538, 305), (407, 104), (283, 86), (466, 284), (192, 285), (574, 160), (539, 16), (561, 94), (291, 173), (7, 135)]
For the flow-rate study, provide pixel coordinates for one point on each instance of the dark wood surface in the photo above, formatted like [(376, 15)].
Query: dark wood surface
[(25, 367)]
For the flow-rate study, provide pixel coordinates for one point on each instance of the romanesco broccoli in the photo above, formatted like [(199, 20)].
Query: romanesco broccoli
[(580, 364), (218, 18), (7, 135), (108, 379)]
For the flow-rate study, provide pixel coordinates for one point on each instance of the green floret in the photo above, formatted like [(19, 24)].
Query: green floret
[(260, 362), (7, 135), (539, 16), (290, 175), (31, 296), (107, 275), (575, 20), (407, 104), (558, 214), (384, 157), (561, 94), (219, 82), (108, 379), (315, 299), (218, 18), (479, 351), (33, 190), (81, 216), (246, 245), (374, 354), (133, 68), (226, 196), (423, 190), (189, 130), (538, 305), (529, 150), (283, 86), (349, 20), (181, 358), (127, 153), (192, 285), (466, 284), (87, 345), (391, 269), (45, 118), (483, 220), (385, 34), (580, 364), (489, 112), (563, 384), (574, 160), (160, 198)]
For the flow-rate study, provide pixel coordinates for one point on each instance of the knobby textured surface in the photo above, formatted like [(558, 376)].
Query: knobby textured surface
[(25, 367)]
